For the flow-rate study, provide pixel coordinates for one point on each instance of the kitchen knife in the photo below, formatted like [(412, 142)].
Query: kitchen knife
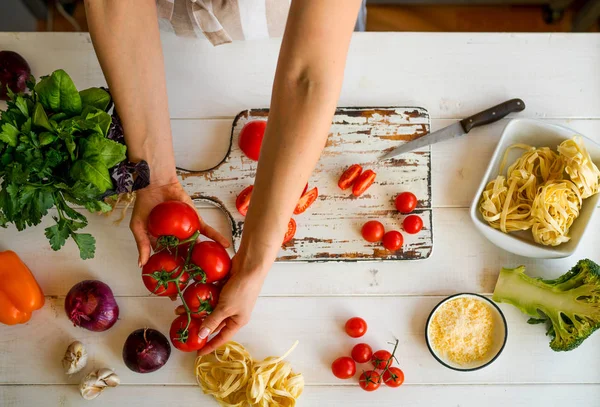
[(460, 128)]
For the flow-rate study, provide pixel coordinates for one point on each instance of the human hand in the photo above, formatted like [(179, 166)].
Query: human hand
[(146, 200)]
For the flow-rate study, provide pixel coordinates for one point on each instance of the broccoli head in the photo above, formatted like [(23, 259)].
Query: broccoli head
[(569, 305)]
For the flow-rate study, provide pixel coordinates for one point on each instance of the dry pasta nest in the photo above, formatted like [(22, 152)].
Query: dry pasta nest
[(234, 379)]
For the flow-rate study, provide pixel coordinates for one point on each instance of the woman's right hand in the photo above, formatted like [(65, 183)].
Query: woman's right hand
[(146, 199)]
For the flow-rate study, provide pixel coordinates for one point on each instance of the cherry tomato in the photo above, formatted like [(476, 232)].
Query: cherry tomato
[(363, 182), (381, 358), (291, 231), (393, 377), (160, 268), (406, 202), (372, 231), (393, 240), (343, 368), (356, 327), (186, 341), (201, 299), (361, 353), (173, 218), (369, 380), (251, 138), (212, 259), (306, 200), (412, 224), (242, 201), (349, 176)]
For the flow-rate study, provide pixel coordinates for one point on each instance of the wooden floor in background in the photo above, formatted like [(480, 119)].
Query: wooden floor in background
[(423, 18)]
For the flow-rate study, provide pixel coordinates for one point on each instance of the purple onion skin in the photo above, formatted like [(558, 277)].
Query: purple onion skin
[(146, 350), (91, 305), (14, 72)]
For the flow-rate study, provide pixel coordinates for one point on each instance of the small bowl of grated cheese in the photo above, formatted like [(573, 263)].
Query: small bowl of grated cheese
[(466, 332)]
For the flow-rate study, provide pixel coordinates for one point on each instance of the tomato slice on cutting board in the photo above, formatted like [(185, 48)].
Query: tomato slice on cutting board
[(251, 138), (363, 182), (242, 201), (289, 235), (349, 176), (306, 200)]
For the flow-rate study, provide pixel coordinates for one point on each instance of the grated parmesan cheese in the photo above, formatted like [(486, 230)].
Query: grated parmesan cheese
[(461, 330)]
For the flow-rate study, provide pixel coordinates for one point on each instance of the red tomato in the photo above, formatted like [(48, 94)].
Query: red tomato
[(291, 231), (372, 231), (306, 200), (363, 182), (343, 368), (251, 138), (186, 341), (393, 240), (361, 353), (369, 380), (356, 327), (173, 218), (163, 266), (393, 377), (412, 224), (381, 359), (212, 259), (242, 201), (201, 299), (304, 190), (349, 176), (406, 202)]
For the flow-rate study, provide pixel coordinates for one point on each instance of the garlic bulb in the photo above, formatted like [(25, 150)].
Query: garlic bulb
[(75, 358), (96, 382)]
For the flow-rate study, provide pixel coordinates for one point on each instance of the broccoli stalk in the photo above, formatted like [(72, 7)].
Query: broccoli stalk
[(569, 305)]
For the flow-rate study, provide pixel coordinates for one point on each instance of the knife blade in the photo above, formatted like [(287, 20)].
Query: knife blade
[(493, 114)]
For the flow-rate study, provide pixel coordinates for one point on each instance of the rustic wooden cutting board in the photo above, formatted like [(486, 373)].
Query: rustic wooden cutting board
[(330, 229)]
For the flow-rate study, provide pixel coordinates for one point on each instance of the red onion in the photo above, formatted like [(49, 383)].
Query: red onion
[(146, 350), (14, 72), (91, 305)]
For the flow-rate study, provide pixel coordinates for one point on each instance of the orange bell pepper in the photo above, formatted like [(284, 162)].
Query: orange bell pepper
[(20, 294)]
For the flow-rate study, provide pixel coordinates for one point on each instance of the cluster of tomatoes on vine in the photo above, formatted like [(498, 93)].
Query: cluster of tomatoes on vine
[(382, 370), (182, 267)]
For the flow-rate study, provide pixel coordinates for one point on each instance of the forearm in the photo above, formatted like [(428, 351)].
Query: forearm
[(127, 42)]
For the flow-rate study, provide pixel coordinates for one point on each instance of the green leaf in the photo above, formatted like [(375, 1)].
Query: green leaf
[(110, 152), (69, 142), (30, 82), (58, 93), (86, 244), (95, 120), (26, 127), (95, 97), (22, 105), (59, 117), (47, 138), (98, 206), (57, 234), (9, 134), (40, 118), (92, 170)]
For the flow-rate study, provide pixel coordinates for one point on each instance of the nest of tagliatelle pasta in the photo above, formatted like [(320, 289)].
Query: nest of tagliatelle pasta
[(542, 190), (234, 379)]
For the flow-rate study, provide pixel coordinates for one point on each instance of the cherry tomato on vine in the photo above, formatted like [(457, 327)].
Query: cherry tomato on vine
[(349, 176), (406, 202), (212, 259), (201, 298), (369, 380), (363, 182), (173, 218), (381, 358), (356, 327), (372, 231), (186, 341), (393, 240), (343, 368), (413, 224), (160, 268), (393, 377), (291, 231), (306, 200), (361, 353), (251, 138), (242, 202)]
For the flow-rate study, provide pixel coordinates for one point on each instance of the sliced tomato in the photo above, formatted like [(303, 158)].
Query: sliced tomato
[(306, 200), (349, 176), (289, 235), (304, 190), (363, 182), (242, 201), (251, 138)]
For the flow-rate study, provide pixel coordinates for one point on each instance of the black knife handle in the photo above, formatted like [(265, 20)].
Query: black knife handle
[(492, 114)]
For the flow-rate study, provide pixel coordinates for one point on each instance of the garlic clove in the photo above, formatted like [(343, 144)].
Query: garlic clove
[(96, 382), (75, 358)]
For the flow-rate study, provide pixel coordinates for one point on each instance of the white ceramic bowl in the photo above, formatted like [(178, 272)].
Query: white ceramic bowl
[(538, 134), (500, 335)]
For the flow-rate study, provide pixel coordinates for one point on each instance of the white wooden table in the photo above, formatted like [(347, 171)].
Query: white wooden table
[(452, 75)]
